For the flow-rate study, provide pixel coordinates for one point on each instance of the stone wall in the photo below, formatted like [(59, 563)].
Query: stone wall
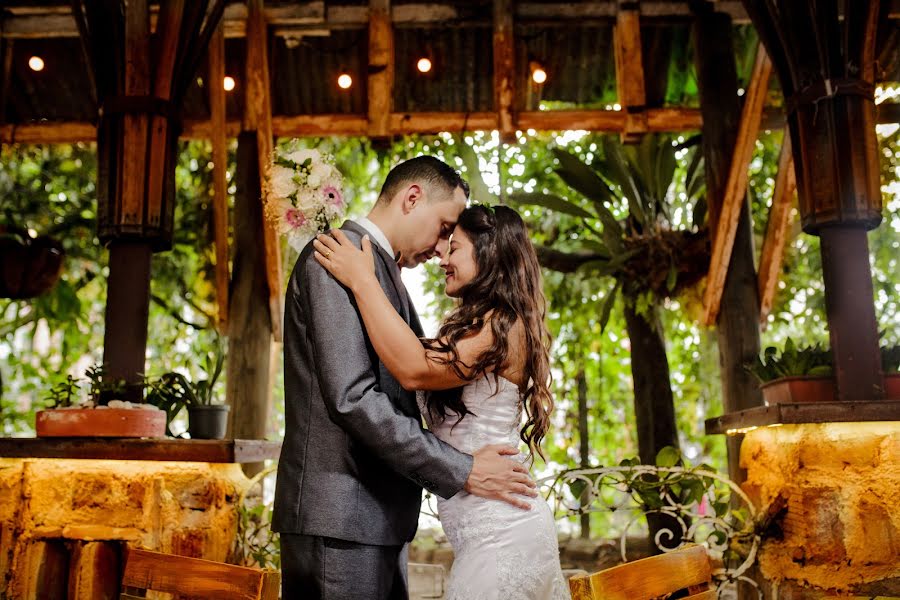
[(839, 484), (63, 522)]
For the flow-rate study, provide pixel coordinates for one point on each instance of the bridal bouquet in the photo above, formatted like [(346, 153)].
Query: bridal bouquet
[(304, 194)]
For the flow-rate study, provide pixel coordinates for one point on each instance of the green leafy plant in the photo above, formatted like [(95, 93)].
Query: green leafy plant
[(890, 359), (64, 393), (102, 387), (809, 361), (255, 544)]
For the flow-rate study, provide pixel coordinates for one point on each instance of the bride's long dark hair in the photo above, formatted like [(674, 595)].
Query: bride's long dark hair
[(507, 288)]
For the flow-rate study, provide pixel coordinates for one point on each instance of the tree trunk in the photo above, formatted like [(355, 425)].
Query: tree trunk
[(249, 322), (738, 323), (584, 448), (654, 407)]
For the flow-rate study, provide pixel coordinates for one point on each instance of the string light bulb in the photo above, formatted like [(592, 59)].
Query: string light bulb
[(36, 63), (538, 74), (424, 65), (344, 81), (228, 83)]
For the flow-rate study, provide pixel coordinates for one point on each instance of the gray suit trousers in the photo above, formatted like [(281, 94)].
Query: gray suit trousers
[(321, 568)]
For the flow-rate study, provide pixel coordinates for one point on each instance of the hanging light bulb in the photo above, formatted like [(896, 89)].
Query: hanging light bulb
[(228, 83), (36, 63), (424, 65), (538, 74), (345, 81)]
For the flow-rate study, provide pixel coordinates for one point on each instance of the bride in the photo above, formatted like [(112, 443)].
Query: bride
[(488, 366)]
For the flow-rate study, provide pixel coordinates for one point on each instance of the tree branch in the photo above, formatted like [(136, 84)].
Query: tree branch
[(174, 313), (565, 262)]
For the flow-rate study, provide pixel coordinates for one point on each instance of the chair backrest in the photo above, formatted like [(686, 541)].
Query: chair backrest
[(687, 568), (196, 578)]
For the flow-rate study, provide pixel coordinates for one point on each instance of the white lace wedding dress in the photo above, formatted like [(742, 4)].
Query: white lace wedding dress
[(501, 552)]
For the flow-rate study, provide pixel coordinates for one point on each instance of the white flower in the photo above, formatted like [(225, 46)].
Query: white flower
[(300, 156), (313, 180), (280, 182), (308, 202), (321, 171)]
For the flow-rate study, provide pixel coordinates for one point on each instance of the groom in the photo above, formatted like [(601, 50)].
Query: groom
[(355, 456)]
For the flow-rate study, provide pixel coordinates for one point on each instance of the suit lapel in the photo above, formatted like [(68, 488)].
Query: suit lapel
[(392, 269)]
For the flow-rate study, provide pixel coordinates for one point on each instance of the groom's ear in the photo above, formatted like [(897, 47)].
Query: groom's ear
[(413, 196)]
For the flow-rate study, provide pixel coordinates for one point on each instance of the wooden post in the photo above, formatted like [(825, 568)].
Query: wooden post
[(249, 337), (738, 329), (381, 68), (220, 166), (95, 571), (258, 118), (6, 54), (504, 69), (128, 285), (733, 203), (630, 71), (772, 256)]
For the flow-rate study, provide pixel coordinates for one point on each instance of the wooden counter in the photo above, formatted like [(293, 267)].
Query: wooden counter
[(212, 451)]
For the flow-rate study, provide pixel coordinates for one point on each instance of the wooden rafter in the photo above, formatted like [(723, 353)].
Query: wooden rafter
[(137, 83), (780, 215), (258, 118), (736, 187), (630, 71), (504, 68), (381, 68), (220, 165)]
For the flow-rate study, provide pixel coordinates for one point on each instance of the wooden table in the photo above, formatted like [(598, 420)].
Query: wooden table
[(213, 451)]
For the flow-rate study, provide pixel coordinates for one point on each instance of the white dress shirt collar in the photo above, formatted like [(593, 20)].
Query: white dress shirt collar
[(376, 233)]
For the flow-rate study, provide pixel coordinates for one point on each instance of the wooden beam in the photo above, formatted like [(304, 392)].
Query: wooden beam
[(381, 68), (736, 188), (258, 118), (780, 217), (658, 120), (134, 159), (220, 166), (504, 69), (630, 71)]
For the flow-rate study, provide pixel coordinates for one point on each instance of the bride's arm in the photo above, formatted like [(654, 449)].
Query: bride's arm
[(396, 344)]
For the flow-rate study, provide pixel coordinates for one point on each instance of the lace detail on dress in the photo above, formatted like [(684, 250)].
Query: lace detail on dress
[(501, 552)]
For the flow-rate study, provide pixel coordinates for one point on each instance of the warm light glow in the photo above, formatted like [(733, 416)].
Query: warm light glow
[(36, 63), (228, 83), (345, 81), (539, 75), (741, 430), (424, 65)]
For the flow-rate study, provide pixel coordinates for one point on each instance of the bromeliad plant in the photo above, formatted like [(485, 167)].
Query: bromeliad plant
[(809, 361)]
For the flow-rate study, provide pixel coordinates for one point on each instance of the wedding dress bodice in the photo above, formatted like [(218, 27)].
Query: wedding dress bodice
[(501, 552)]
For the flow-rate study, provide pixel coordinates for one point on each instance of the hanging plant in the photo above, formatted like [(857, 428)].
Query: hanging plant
[(29, 266)]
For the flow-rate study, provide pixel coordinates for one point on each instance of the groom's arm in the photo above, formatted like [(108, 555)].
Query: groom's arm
[(353, 398)]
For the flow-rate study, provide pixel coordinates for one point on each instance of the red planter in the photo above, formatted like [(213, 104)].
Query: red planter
[(798, 389), (892, 386), (102, 422)]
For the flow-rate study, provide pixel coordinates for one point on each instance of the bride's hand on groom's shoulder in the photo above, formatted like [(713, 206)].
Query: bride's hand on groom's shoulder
[(496, 476), (340, 257)]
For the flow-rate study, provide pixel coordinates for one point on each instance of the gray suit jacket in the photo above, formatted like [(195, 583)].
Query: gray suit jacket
[(355, 456)]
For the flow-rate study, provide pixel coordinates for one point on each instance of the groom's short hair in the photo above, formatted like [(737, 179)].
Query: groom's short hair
[(424, 169)]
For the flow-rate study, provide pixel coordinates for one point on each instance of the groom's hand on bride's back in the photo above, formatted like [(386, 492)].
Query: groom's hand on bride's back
[(497, 477)]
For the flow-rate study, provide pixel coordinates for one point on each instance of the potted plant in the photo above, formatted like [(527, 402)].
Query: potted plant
[(207, 418), (102, 414), (796, 375), (890, 364)]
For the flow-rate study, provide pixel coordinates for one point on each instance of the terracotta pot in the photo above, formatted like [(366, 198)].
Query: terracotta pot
[(892, 386), (798, 390), (208, 422), (100, 422)]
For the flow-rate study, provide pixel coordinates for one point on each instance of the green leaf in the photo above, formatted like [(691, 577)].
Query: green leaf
[(608, 304), (672, 277), (668, 457), (550, 201), (580, 177)]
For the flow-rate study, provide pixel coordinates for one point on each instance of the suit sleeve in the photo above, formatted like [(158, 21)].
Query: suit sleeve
[(353, 398)]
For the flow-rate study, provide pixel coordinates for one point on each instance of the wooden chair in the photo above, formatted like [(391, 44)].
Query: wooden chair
[(648, 578), (195, 578)]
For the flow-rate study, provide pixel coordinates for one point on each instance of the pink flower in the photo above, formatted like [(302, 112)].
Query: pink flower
[(333, 195), (295, 218)]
